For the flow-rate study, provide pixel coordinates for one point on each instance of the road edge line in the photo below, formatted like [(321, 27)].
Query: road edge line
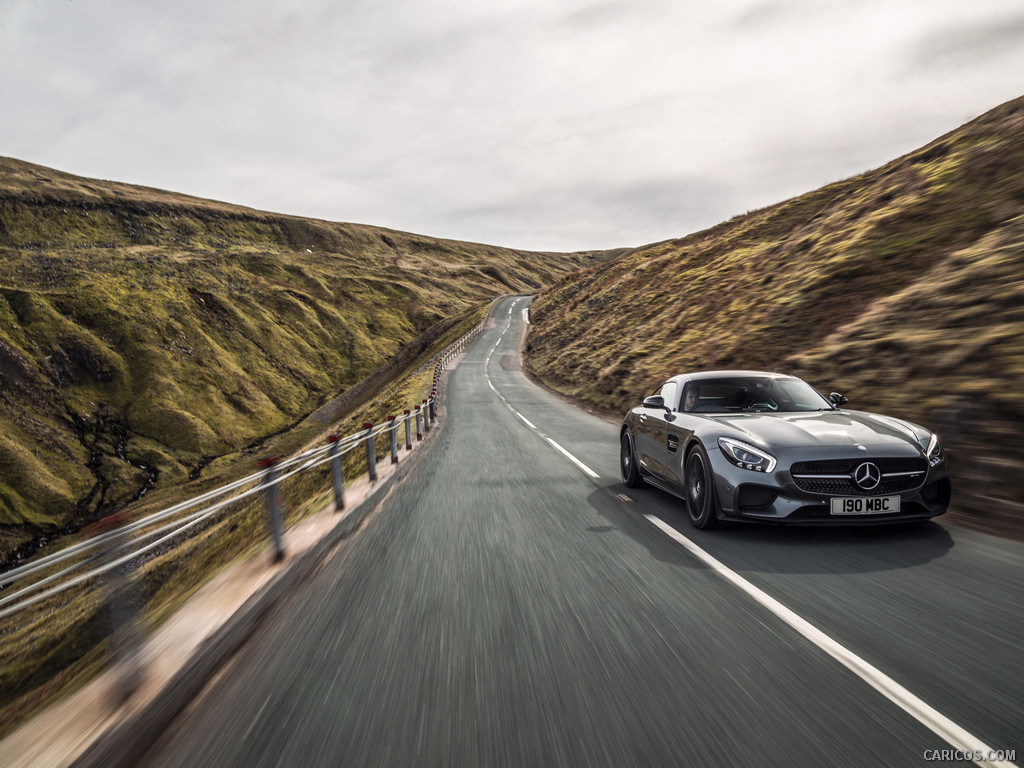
[(909, 702)]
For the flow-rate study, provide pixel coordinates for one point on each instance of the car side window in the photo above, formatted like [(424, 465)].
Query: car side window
[(668, 394)]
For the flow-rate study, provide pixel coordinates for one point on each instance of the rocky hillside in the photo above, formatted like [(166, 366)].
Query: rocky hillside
[(144, 333), (902, 287)]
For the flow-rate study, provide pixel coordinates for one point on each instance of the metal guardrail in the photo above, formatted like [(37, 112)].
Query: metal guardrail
[(115, 548)]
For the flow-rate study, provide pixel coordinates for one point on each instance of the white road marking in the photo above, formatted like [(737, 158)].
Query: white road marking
[(526, 421), (921, 711), (587, 470), (573, 459), (910, 703)]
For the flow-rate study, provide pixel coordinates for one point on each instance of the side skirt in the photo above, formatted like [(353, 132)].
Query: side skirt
[(661, 485)]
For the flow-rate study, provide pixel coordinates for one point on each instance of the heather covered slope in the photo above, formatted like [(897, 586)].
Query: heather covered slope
[(144, 333), (902, 288)]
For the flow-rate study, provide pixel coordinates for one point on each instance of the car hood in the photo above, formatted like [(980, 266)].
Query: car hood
[(835, 428)]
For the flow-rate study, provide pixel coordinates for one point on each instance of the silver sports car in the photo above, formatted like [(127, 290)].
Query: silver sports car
[(752, 446)]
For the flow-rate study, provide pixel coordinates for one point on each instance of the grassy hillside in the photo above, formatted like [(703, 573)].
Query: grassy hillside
[(144, 334), (902, 287)]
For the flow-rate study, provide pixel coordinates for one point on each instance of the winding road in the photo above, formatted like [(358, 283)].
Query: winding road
[(510, 603)]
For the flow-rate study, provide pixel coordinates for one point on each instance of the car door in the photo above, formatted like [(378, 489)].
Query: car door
[(652, 433)]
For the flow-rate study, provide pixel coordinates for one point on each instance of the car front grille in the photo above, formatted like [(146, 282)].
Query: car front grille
[(834, 477)]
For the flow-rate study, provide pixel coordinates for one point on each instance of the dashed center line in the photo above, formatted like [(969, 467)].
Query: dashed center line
[(579, 464), (902, 697), (587, 470), (526, 421)]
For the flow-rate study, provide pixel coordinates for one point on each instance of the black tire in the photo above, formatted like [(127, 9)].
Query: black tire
[(700, 490), (627, 463)]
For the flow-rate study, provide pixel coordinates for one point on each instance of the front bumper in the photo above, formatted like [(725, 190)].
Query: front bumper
[(776, 497)]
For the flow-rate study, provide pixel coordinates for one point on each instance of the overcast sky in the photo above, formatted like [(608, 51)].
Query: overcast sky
[(543, 124)]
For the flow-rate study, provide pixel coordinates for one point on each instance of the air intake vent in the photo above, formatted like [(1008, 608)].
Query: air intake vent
[(754, 496)]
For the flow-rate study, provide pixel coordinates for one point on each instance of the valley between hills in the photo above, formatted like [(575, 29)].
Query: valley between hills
[(147, 337), (154, 345)]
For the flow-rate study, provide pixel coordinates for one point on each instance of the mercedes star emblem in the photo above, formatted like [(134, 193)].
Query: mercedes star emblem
[(867, 476)]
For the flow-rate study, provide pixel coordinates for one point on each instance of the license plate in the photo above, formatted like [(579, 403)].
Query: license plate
[(866, 505)]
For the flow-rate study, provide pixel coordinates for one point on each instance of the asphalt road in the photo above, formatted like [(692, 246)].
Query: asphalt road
[(505, 607)]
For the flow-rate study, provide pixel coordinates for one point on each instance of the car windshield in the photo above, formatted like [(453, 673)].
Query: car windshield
[(752, 394)]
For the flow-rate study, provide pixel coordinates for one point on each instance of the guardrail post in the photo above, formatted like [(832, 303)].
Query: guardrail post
[(394, 439), (433, 409), (275, 511), (371, 452), (337, 473), (419, 430), (408, 439), (426, 421), (120, 611)]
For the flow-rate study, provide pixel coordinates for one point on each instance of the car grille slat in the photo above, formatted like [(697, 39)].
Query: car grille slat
[(834, 477)]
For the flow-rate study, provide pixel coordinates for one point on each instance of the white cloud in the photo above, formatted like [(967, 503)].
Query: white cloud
[(548, 124)]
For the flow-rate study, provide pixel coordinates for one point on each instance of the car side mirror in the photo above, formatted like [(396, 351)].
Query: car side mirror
[(654, 401), (838, 399)]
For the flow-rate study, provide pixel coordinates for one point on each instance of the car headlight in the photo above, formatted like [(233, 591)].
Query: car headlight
[(934, 452), (746, 456)]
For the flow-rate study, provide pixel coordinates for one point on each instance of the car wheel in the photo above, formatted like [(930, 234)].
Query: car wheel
[(627, 463), (700, 490)]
